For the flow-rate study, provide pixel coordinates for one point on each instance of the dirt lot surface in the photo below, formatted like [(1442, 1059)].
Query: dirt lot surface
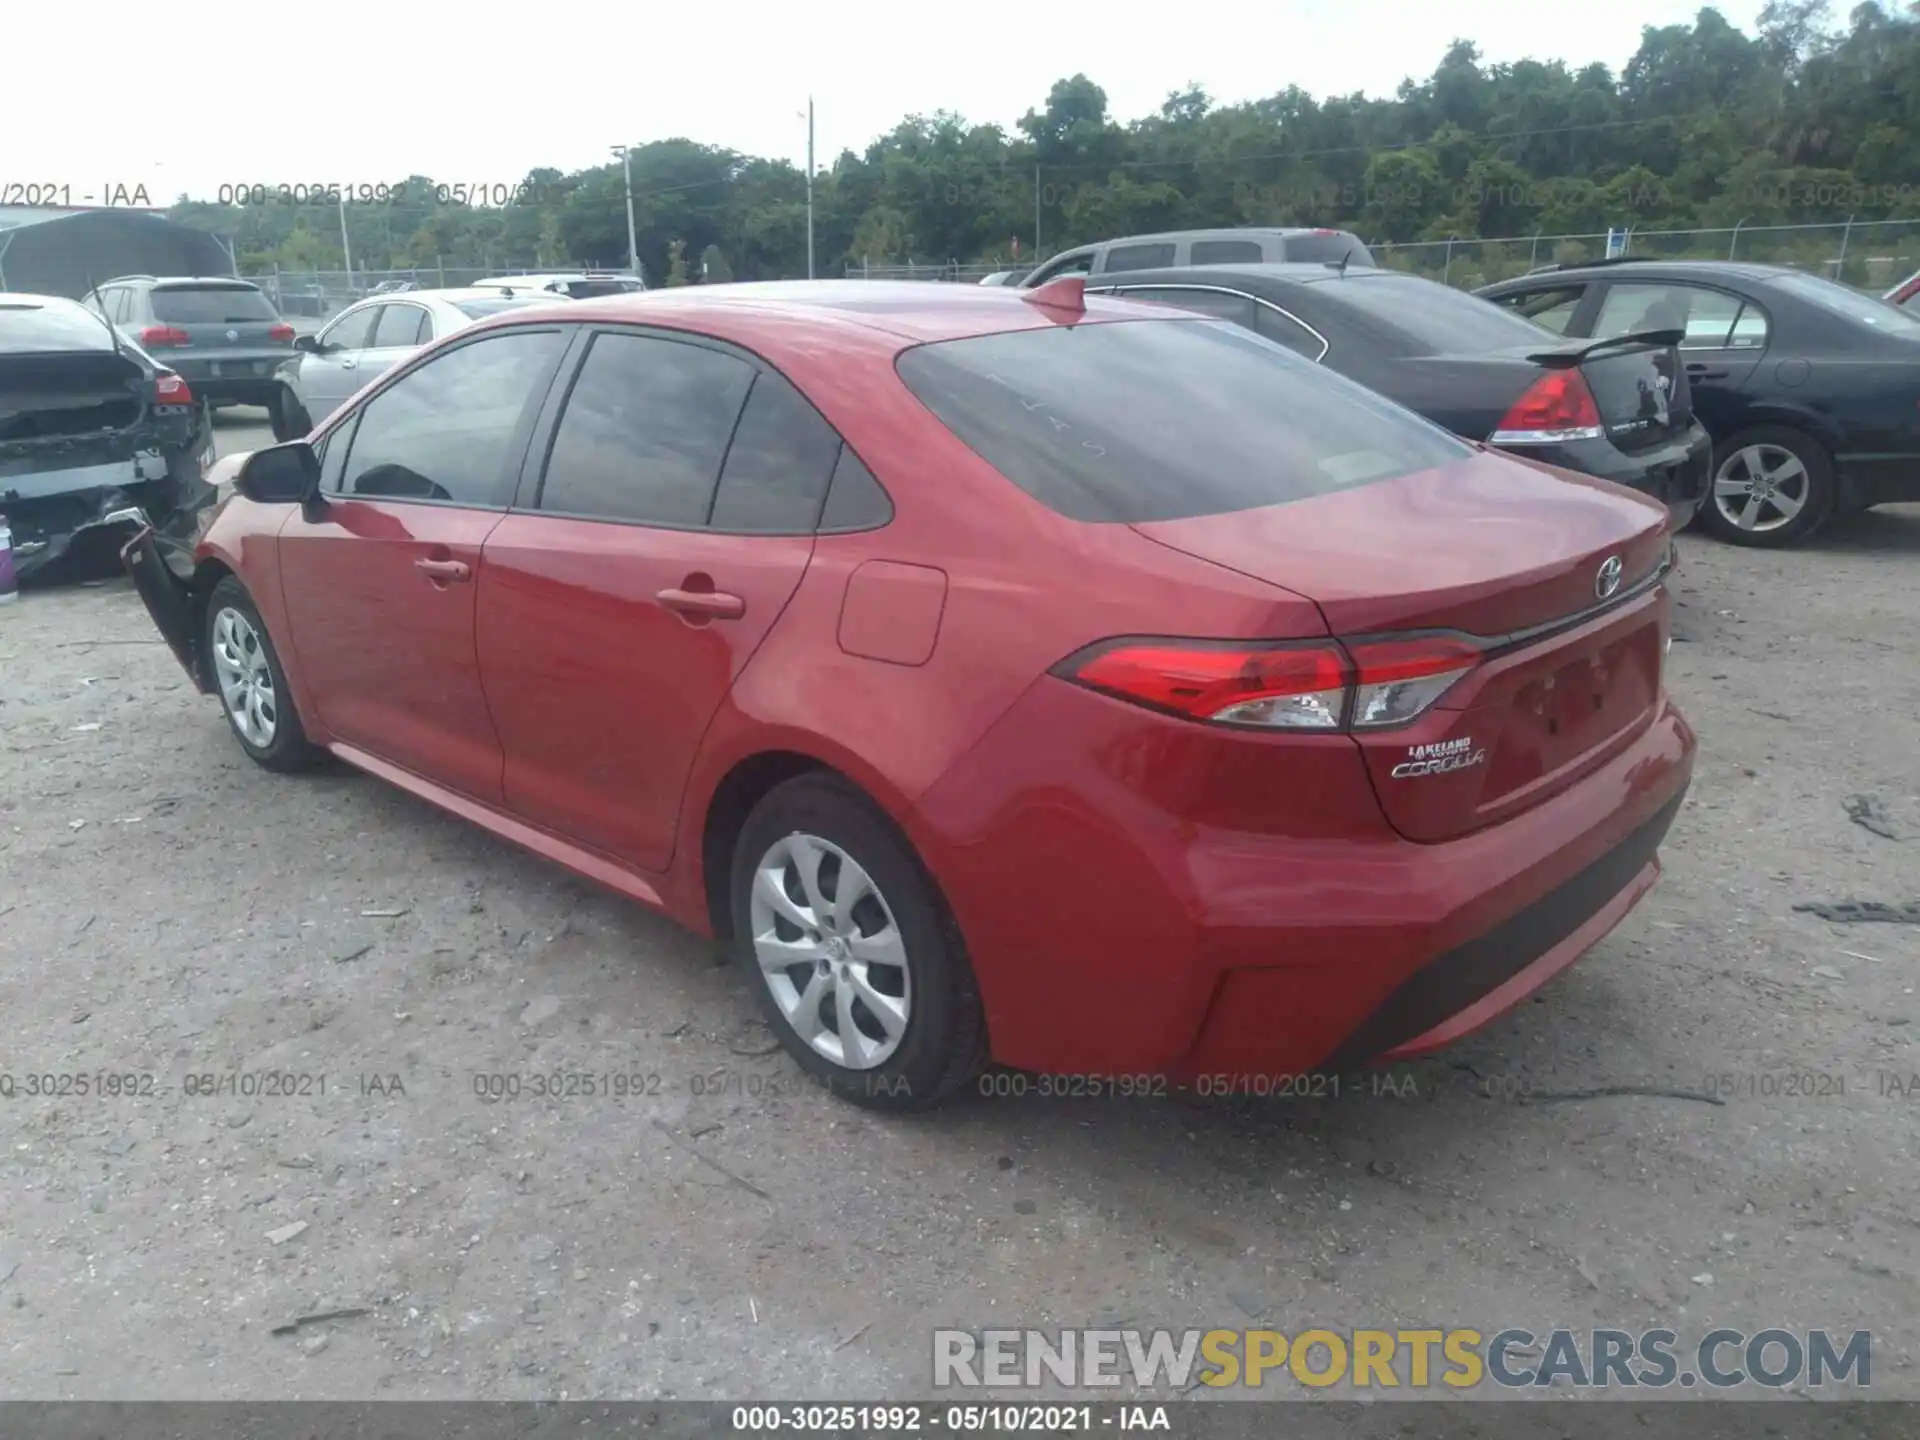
[(168, 911)]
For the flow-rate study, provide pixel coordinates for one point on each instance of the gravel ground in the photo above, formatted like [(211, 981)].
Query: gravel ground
[(168, 910)]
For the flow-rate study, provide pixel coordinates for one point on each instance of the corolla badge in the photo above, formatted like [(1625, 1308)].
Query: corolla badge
[(1439, 758), (1607, 579)]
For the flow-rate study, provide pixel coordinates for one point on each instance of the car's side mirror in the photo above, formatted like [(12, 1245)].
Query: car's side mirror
[(307, 343), (280, 475)]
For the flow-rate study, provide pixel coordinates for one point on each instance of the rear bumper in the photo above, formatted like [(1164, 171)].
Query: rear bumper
[(245, 379), (1676, 475), (1111, 937), (70, 523), (168, 597)]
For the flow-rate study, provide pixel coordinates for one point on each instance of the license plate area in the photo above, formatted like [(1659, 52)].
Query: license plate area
[(1575, 707)]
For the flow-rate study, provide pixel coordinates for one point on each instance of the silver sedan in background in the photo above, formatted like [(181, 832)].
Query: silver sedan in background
[(369, 338)]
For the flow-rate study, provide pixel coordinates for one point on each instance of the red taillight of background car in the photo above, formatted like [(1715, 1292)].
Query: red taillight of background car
[(281, 334), (1558, 406), (1318, 686), (156, 337), (172, 390)]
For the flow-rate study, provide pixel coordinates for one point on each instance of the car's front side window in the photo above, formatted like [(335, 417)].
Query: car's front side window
[(444, 431), (351, 331)]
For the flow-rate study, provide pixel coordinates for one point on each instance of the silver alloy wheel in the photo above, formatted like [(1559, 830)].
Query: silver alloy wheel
[(246, 680), (830, 951), (1761, 488)]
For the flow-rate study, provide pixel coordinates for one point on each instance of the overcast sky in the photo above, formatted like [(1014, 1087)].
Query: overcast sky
[(355, 92)]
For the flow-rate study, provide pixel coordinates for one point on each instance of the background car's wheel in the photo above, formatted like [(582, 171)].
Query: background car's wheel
[(289, 416), (252, 687), (1771, 486), (845, 941)]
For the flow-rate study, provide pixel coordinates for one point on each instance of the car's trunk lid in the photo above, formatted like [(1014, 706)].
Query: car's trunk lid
[(50, 401), (1519, 556)]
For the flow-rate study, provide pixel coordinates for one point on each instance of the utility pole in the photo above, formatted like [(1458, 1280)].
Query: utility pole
[(809, 187), (633, 245), (346, 250)]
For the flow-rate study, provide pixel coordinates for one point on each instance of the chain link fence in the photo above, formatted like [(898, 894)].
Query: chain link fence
[(1870, 255), (952, 271), (316, 294)]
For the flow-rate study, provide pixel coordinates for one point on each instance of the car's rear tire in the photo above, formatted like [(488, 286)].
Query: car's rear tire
[(877, 1001), (289, 416), (1772, 485), (252, 686)]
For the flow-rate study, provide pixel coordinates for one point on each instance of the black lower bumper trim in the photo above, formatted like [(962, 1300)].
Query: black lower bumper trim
[(1466, 973), (168, 599)]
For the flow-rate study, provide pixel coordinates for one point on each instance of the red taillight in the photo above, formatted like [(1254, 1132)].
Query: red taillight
[(159, 336), (1557, 406), (172, 390), (281, 334), (1320, 685)]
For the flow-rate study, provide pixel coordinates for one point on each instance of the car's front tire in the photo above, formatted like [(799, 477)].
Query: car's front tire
[(846, 943), (289, 416), (252, 686), (1771, 486)]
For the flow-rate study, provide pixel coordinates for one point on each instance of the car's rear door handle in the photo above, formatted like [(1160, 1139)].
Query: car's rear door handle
[(712, 603), (1697, 371), (443, 569)]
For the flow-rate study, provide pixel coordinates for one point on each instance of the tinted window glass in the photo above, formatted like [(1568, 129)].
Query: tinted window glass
[(855, 500), (1550, 308), (480, 309), (351, 332), (1328, 249), (400, 325), (1217, 303), (1158, 419), (1081, 264), (1428, 318), (26, 328), (210, 305), (587, 289), (1708, 316), (779, 464), (1287, 331), (123, 305), (644, 430), (1226, 252), (445, 431), (1839, 300), (1138, 257)]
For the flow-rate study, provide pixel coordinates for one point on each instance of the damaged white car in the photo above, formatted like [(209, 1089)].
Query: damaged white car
[(96, 439)]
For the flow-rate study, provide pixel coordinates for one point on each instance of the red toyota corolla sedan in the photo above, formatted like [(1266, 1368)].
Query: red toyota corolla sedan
[(1002, 675)]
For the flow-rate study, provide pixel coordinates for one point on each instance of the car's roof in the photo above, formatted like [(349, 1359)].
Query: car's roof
[(1225, 232), (915, 312), (159, 280), (1703, 269), (1279, 272), (28, 300), (557, 275), (452, 294)]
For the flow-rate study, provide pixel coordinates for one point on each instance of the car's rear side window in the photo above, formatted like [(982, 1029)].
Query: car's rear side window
[(778, 466), (210, 304), (1131, 421), (645, 428), (1226, 252), (1428, 318), (1138, 257)]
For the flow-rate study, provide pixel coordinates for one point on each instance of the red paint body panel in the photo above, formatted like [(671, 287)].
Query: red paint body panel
[(385, 649), (1136, 891), (599, 692)]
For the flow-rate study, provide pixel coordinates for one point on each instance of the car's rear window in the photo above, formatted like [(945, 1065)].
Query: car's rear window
[(1132, 421), (1431, 318), (1328, 249), (1837, 299), (210, 304), (480, 309), (590, 289), (30, 329)]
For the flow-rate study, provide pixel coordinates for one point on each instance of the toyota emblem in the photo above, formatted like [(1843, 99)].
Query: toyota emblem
[(233, 334), (1607, 580)]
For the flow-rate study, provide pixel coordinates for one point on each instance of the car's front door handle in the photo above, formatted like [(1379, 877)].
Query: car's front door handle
[(711, 603), (348, 364), (1697, 371), (443, 570)]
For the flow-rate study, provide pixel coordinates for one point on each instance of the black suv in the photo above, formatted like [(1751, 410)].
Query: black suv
[(220, 334)]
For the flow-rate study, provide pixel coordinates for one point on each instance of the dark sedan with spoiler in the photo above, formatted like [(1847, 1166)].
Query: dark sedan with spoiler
[(1618, 409)]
